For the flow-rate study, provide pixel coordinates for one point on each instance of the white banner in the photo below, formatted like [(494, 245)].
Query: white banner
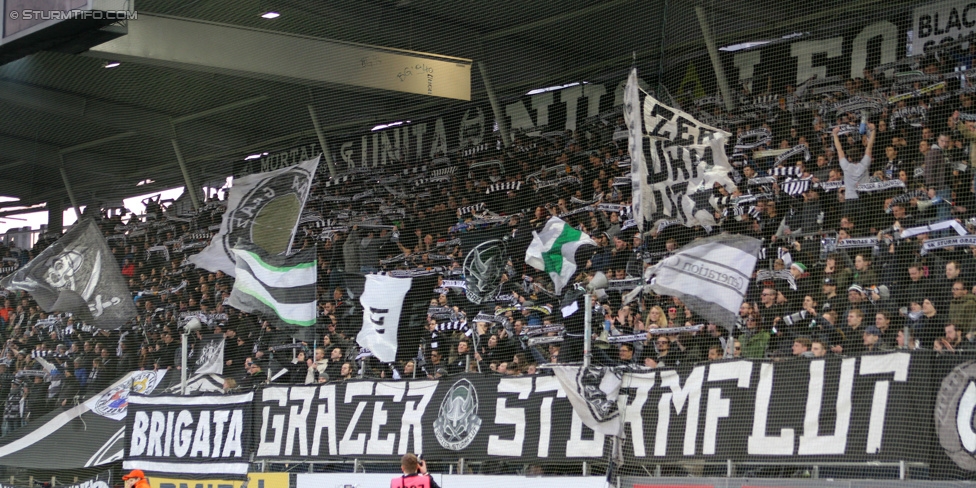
[(382, 302), (684, 161), (710, 275), (933, 22)]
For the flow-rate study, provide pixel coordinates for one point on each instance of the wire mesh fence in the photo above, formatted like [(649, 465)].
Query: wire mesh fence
[(752, 257)]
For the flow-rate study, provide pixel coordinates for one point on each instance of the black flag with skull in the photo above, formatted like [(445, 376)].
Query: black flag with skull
[(77, 274)]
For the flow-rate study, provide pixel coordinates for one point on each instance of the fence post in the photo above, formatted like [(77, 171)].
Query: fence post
[(902, 470)]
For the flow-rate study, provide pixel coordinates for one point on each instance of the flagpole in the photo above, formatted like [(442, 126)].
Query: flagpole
[(587, 328), (183, 364)]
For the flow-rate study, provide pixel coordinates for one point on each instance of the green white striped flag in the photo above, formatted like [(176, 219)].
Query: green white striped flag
[(275, 285), (554, 251)]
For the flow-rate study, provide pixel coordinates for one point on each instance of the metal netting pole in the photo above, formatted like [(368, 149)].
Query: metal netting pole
[(723, 83), (587, 328)]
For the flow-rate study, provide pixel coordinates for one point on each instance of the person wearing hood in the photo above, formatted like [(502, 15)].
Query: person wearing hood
[(136, 479)]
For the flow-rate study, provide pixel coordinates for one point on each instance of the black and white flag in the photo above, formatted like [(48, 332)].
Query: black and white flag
[(394, 315), (77, 274), (210, 355), (593, 393), (101, 480), (710, 275), (262, 208), (684, 157), (207, 435)]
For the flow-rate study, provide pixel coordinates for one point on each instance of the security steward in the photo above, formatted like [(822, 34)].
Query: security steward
[(414, 474), (136, 479)]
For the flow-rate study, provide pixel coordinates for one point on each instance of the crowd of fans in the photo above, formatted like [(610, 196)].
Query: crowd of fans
[(814, 295)]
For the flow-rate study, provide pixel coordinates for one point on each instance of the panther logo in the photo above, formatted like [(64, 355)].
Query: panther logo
[(483, 268), (955, 407), (457, 421)]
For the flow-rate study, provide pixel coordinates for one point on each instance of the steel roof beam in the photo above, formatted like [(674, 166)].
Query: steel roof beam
[(219, 48)]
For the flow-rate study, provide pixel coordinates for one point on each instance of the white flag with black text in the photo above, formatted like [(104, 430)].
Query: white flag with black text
[(710, 275), (394, 315), (675, 162)]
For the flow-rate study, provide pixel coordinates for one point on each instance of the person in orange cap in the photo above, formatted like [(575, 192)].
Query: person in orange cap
[(136, 479)]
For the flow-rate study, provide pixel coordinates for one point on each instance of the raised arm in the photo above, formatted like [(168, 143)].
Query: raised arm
[(837, 145), (871, 134)]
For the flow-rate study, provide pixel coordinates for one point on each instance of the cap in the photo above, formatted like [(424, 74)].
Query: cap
[(800, 266), (829, 282), (857, 288), (873, 330), (135, 473)]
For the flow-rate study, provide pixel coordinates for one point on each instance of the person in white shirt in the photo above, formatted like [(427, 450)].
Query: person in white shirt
[(854, 173)]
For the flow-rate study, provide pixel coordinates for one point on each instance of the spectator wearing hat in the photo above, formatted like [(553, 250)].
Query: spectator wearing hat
[(804, 285), (136, 479), (829, 298), (872, 340), (856, 298)]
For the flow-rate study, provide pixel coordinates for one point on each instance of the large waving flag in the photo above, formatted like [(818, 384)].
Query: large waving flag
[(263, 208), (395, 314), (685, 159), (554, 251), (710, 275), (280, 285), (77, 274)]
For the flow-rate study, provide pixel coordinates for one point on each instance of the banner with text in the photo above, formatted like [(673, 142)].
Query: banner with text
[(851, 409), (254, 480), (207, 435)]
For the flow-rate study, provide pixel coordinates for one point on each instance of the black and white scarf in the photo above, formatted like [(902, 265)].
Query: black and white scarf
[(506, 186)]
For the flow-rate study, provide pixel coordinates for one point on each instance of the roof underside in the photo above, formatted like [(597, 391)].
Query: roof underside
[(52, 101)]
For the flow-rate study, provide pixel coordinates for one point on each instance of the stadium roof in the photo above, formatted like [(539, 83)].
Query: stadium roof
[(112, 128)]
